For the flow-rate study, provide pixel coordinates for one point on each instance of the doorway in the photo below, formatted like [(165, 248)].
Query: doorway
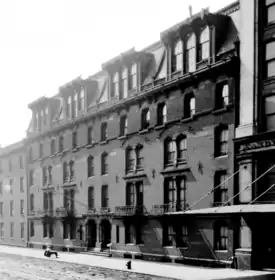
[(92, 234), (105, 233)]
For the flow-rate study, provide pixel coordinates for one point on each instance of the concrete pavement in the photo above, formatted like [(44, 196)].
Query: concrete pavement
[(175, 271)]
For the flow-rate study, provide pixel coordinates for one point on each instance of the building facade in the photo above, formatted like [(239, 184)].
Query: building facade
[(13, 198), (121, 156)]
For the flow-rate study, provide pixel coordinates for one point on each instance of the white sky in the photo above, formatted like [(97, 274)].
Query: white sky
[(46, 43)]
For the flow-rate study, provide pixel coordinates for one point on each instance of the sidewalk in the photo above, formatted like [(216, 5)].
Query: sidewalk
[(151, 268)]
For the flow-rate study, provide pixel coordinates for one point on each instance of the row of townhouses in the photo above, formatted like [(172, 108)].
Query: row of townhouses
[(162, 154)]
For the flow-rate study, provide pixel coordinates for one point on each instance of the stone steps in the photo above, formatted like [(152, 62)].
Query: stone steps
[(104, 253)]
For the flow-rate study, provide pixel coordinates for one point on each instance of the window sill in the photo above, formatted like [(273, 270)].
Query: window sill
[(121, 137), (74, 150), (168, 247), (105, 174), (160, 126), (103, 142), (143, 130), (187, 119), (221, 110), (90, 177), (88, 146), (221, 251), (130, 244), (220, 157)]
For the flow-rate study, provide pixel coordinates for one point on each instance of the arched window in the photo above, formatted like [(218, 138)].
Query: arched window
[(169, 151), (90, 166), (177, 57), (91, 198), (204, 44), (189, 105), (133, 78), (191, 53), (221, 140), (32, 202), (162, 114), (104, 163), (124, 83), (220, 236), (104, 196), (52, 146), (81, 102), (130, 159), (181, 148)]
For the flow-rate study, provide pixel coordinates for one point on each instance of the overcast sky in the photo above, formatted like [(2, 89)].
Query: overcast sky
[(46, 43)]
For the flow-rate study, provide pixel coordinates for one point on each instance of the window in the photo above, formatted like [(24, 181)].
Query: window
[(68, 199), (11, 186), (191, 53), (117, 234), (270, 11), (134, 194), (50, 178), (11, 209), (20, 162), (61, 143), (11, 230), (115, 85), (177, 57), (72, 171), (75, 105), (1, 187), (221, 192), (204, 44), (91, 198), (1, 230), (36, 121), (145, 118), (130, 160), (133, 78), (129, 238), (45, 230), (41, 150), (66, 172), (1, 209), (52, 146), (50, 200), (74, 140), (22, 230), (69, 107), (30, 155), (270, 59), (81, 103), (42, 118), (221, 148), (31, 178), (169, 235), (22, 210), (189, 105), (123, 125), (90, 136), (90, 166), (181, 148), (139, 157), (175, 193), (32, 202), (220, 236), (21, 184), (222, 95), (10, 165), (161, 114), (32, 228), (44, 174), (270, 112), (124, 83), (104, 197), (46, 116), (104, 164), (169, 151), (104, 133)]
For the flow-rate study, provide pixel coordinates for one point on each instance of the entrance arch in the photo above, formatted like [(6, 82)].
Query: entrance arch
[(105, 233), (91, 234)]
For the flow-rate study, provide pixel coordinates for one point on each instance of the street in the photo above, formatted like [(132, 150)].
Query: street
[(26, 268)]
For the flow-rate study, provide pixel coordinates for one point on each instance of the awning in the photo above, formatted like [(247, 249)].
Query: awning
[(233, 209)]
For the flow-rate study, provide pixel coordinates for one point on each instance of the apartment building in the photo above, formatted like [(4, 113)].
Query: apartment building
[(13, 204), (120, 157)]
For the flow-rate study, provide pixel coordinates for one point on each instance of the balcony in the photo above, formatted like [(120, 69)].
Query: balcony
[(64, 212), (161, 209), (105, 211), (41, 213), (130, 210)]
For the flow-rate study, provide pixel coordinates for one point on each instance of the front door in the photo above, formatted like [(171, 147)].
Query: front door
[(91, 234), (105, 233)]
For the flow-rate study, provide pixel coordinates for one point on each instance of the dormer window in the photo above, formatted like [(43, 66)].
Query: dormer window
[(124, 83), (145, 118), (189, 105), (191, 53), (81, 102), (115, 85), (75, 104), (177, 57), (133, 77), (69, 107), (204, 44)]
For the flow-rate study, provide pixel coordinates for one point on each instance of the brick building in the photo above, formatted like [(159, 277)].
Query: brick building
[(119, 157), (13, 199)]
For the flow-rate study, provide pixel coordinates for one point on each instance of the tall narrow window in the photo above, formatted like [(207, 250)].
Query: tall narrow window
[(11, 230), (45, 201), (72, 171), (10, 165), (42, 119), (104, 132), (270, 4), (69, 107), (124, 83), (32, 232), (1, 208), (37, 123), (65, 172), (90, 166), (50, 198), (32, 202), (161, 114), (270, 59), (130, 194), (270, 112), (221, 185), (74, 139), (145, 118), (91, 198), (50, 178), (20, 162), (11, 186), (139, 157), (130, 160), (104, 164), (52, 146), (21, 185), (133, 78), (221, 236), (1, 187), (90, 136), (46, 115), (44, 175), (30, 155), (177, 57), (11, 208), (22, 230), (129, 238), (75, 105), (191, 53), (221, 141), (204, 44), (1, 230), (115, 85), (169, 151), (181, 148), (189, 105), (81, 102), (104, 196), (31, 178), (61, 143), (123, 125), (222, 95), (169, 235)]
